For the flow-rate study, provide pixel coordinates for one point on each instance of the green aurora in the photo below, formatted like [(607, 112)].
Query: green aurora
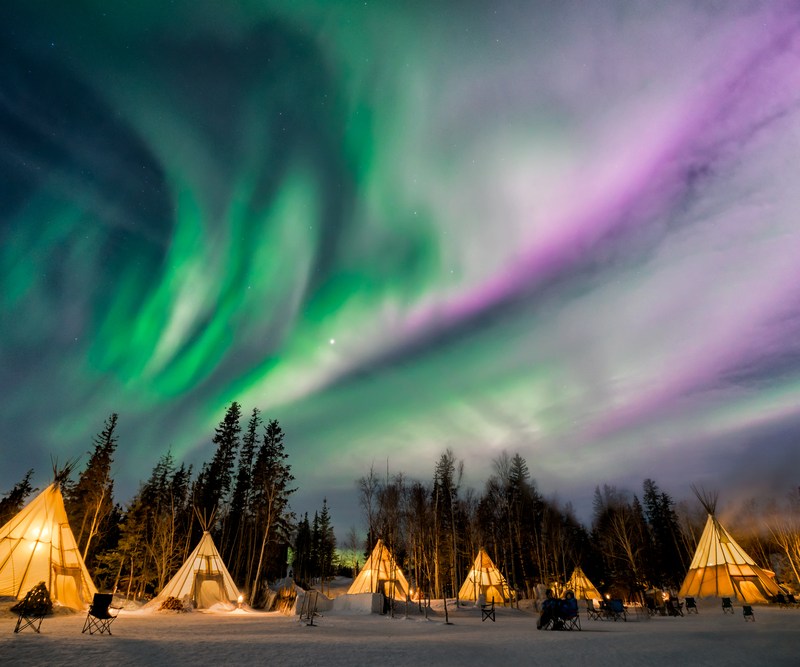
[(401, 227)]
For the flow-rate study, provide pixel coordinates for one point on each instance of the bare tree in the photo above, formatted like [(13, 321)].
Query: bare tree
[(368, 490)]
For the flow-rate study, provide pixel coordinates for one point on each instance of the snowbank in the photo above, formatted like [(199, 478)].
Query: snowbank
[(359, 603)]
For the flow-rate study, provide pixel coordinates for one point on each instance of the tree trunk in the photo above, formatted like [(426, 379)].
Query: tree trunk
[(93, 528), (260, 560)]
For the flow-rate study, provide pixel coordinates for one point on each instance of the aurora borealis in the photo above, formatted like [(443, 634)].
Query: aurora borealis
[(566, 229)]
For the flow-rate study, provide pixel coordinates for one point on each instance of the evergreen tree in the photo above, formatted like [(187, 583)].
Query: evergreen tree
[(89, 502), (13, 501), (668, 559), (316, 543), (446, 481), (155, 529), (242, 498), (214, 481), (303, 542), (326, 550), (271, 479)]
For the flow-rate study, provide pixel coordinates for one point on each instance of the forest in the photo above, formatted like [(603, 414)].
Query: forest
[(434, 527)]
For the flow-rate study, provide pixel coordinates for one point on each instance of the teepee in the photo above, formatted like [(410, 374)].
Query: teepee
[(381, 574), (580, 585), (721, 567), (38, 545), (484, 579), (203, 578)]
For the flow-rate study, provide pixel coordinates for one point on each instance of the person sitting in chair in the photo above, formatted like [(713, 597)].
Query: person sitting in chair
[(549, 610), (569, 605)]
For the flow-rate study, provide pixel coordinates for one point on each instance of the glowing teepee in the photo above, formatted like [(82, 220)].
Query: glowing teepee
[(203, 578), (721, 567), (381, 574), (580, 585), (484, 579), (38, 545)]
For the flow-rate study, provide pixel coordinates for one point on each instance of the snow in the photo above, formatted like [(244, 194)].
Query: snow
[(246, 637)]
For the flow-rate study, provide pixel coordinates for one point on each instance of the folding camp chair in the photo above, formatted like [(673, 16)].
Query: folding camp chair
[(790, 600), (32, 609), (691, 606), (100, 618), (780, 600), (615, 610), (650, 604), (592, 612), (747, 612), (487, 611), (673, 608), (727, 606), (29, 616), (568, 617)]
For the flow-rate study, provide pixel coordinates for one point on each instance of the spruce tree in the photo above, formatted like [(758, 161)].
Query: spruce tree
[(271, 479), (327, 544), (446, 481), (302, 551), (155, 529), (241, 499), (214, 481), (89, 501), (668, 558), (13, 501)]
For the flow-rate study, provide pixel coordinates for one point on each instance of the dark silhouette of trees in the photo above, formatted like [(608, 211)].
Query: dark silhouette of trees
[(271, 491), (235, 541), (155, 531), (214, 481), (433, 528), (14, 500), (668, 560), (89, 502), (315, 548), (302, 564), (367, 495), (446, 481), (784, 527), (621, 537)]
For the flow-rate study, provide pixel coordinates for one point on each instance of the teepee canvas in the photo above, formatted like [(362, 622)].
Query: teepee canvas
[(38, 545), (484, 579), (580, 585), (203, 578), (381, 574), (721, 567)]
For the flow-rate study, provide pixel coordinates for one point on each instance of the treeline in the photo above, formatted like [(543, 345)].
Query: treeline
[(634, 543), (241, 496), (433, 527)]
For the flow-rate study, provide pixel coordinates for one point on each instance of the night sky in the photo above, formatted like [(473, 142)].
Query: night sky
[(565, 229)]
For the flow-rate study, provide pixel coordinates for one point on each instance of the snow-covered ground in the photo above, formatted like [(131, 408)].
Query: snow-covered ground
[(251, 638)]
